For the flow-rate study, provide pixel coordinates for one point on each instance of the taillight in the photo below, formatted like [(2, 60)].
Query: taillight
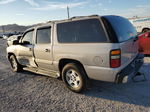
[(115, 58)]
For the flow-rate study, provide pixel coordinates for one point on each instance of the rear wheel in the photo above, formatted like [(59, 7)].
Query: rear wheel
[(74, 77), (145, 30), (16, 67)]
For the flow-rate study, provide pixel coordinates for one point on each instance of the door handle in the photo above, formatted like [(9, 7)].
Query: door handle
[(47, 50), (30, 49)]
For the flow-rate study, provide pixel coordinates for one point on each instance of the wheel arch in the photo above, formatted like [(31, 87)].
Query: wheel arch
[(145, 28), (9, 54), (64, 61)]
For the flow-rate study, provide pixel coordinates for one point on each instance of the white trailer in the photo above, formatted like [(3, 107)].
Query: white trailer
[(141, 24)]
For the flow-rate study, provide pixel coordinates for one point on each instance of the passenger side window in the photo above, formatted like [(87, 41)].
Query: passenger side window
[(28, 37), (43, 36)]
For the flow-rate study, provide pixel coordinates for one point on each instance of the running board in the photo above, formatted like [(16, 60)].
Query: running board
[(43, 72)]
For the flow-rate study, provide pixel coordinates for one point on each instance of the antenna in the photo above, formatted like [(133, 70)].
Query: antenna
[(68, 12)]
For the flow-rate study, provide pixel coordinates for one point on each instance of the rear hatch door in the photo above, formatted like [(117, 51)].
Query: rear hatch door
[(126, 36)]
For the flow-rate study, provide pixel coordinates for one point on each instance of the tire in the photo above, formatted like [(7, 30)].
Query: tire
[(74, 77), (16, 67)]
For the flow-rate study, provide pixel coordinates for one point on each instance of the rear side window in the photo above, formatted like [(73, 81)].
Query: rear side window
[(83, 31), (122, 27), (43, 35)]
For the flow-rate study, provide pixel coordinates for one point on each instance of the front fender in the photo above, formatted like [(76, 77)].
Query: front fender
[(12, 50)]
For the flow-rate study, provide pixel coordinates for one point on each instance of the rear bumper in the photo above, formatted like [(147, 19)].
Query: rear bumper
[(129, 71)]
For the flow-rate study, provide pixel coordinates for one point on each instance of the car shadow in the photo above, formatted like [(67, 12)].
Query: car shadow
[(137, 93)]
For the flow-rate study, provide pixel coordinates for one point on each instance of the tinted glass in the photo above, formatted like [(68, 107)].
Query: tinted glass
[(83, 31), (43, 35), (123, 28), (28, 37)]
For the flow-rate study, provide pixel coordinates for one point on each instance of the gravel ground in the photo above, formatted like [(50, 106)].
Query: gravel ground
[(29, 92)]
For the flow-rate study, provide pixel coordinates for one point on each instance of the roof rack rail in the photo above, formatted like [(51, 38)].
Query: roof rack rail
[(76, 17), (83, 16), (49, 21), (93, 15)]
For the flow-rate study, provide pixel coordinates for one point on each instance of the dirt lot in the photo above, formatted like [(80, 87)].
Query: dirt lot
[(29, 92)]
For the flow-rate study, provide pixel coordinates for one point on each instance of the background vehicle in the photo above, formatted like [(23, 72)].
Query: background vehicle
[(144, 43), (11, 39), (1, 36), (141, 24), (7, 35), (81, 48)]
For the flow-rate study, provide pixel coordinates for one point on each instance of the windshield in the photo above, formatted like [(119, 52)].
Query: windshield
[(122, 27)]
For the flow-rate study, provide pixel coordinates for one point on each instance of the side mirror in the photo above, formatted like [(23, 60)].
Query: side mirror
[(26, 43), (15, 42)]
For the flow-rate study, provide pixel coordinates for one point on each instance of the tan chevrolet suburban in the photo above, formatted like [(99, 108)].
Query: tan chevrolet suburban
[(90, 47)]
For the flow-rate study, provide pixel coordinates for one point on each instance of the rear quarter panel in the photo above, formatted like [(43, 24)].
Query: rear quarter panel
[(96, 54)]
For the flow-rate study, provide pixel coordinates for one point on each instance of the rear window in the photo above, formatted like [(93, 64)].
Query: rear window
[(83, 31), (123, 28)]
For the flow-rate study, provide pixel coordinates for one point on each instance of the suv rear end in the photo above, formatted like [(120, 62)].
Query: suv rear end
[(126, 59)]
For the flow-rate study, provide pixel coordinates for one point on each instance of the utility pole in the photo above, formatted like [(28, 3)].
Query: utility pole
[(68, 12)]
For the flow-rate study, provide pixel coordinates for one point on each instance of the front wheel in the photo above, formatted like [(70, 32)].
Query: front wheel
[(74, 77), (14, 64)]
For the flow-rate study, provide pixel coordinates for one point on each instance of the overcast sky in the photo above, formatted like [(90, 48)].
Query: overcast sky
[(27, 12)]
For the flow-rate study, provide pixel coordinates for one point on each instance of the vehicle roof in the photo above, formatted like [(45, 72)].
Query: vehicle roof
[(67, 20)]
